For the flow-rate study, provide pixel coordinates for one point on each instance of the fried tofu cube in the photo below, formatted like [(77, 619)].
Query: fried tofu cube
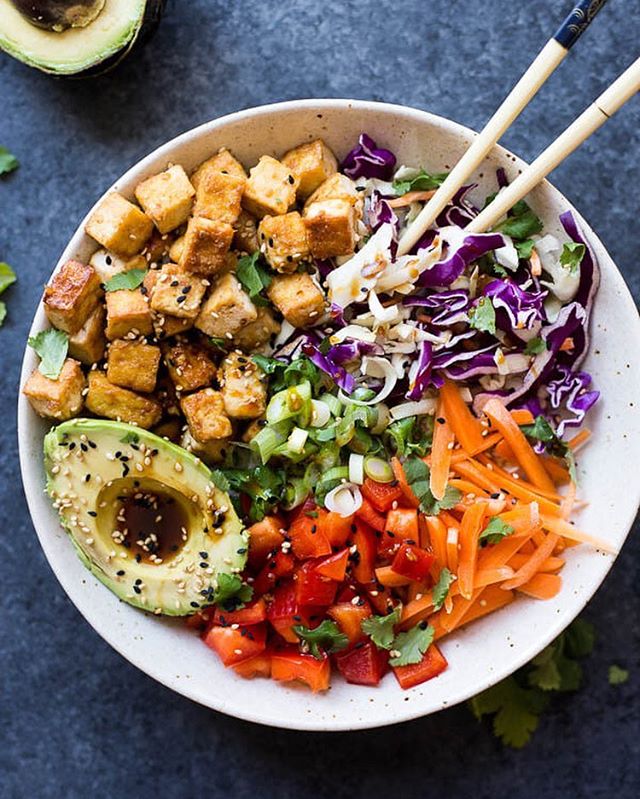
[(218, 197), (156, 248), (252, 430), (177, 293), (128, 313), (338, 187), (214, 451), (133, 364), (119, 225), (271, 188), (298, 298), (59, 399), (246, 235), (206, 245), (284, 241), (108, 264), (72, 296), (206, 415), (243, 387), (312, 164), (167, 198), (87, 344), (226, 310), (223, 162), (331, 228), (175, 251), (165, 326), (189, 366), (259, 332), (106, 399)]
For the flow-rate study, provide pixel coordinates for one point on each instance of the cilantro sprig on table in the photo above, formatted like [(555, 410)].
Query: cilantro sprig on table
[(7, 278), (8, 161)]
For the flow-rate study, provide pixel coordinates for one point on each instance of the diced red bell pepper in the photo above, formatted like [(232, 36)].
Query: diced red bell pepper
[(281, 564), (371, 516), (336, 528), (364, 558), (380, 600), (307, 538), (256, 666), (413, 562), (365, 664), (289, 664), (253, 613), (312, 588), (200, 620), (264, 537), (232, 645), (433, 663), (349, 618), (346, 593), (401, 524), (284, 612), (334, 566), (381, 495)]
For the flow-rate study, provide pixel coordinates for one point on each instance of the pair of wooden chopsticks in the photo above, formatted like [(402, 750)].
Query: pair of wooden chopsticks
[(550, 57)]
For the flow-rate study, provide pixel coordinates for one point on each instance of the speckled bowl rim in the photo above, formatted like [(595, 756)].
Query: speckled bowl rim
[(264, 712)]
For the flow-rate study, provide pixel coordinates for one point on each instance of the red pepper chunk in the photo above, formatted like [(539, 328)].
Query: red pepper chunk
[(312, 588), (256, 666), (253, 613), (334, 527), (401, 524), (349, 618), (334, 566), (233, 646), (364, 557), (381, 495), (278, 565), (307, 538), (289, 664), (370, 515), (413, 562), (433, 663), (363, 665), (284, 612)]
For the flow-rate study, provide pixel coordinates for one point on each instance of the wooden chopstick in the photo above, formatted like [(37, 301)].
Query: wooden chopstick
[(621, 90), (544, 64)]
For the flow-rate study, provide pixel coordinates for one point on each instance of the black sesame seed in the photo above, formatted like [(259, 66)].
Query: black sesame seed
[(186, 289), (291, 179), (72, 445), (181, 298), (87, 477), (84, 447), (194, 604), (137, 589), (120, 573), (174, 283), (204, 555), (92, 513)]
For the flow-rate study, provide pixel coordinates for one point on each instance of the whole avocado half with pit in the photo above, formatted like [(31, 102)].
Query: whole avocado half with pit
[(108, 479), (77, 38)]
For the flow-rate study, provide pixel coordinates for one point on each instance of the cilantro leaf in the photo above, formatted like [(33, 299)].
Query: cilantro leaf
[(254, 277), (525, 248), (535, 346), (231, 593), (380, 628), (3, 312), (326, 637), (219, 479), (51, 345), (7, 276), (126, 280), (495, 531), (8, 161), (417, 474), (540, 430), (617, 675), (441, 588), (516, 710), (422, 182), (483, 316), (572, 255), (218, 343), (411, 645), (521, 222), (268, 365), (130, 438)]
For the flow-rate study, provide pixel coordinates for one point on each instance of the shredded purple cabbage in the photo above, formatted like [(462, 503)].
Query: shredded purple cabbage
[(367, 160), (423, 374), (338, 373), (517, 310), (449, 306), (475, 245), (568, 392)]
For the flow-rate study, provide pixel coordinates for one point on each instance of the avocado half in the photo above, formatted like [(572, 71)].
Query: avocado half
[(110, 482), (76, 37)]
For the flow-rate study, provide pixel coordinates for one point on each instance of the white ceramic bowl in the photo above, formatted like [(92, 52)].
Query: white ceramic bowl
[(489, 649)]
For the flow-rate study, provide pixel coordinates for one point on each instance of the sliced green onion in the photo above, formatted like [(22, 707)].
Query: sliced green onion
[(267, 440), (356, 468), (378, 470), (382, 420), (297, 439), (327, 457), (334, 404), (325, 434), (292, 402), (320, 413), (362, 442)]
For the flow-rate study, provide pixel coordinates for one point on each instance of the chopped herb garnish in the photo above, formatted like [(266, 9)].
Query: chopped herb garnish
[(380, 628), (423, 181), (325, 638), (572, 255), (126, 280), (130, 438), (417, 474), (52, 346), (254, 277), (411, 646), (521, 222), (441, 588), (483, 316), (495, 531), (231, 593), (525, 248), (535, 346), (7, 276)]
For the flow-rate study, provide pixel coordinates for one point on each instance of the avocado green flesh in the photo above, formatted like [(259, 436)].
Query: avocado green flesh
[(75, 49), (85, 477)]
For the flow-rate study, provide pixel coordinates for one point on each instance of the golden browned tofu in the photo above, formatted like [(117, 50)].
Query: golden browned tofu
[(189, 366), (258, 332), (206, 415), (119, 225), (133, 364), (108, 264), (243, 387), (337, 187), (331, 228), (175, 251), (156, 248), (212, 452), (218, 197), (297, 298), (59, 399), (222, 161), (283, 240), (312, 164), (271, 188), (87, 344), (165, 326), (206, 245), (128, 314), (177, 293), (72, 296), (167, 198), (252, 430), (246, 235), (113, 402), (226, 310)]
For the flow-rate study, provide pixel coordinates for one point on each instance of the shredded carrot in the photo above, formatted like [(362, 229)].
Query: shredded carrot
[(528, 569), (470, 530), (461, 606), (542, 586), (568, 501), (410, 197), (490, 441), (498, 471), (551, 564), (579, 439), (452, 548), (438, 539), (466, 427), (522, 416), (504, 452), (398, 473), (492, 598), (557, 472), (536, 263), (565, 529), (567, 345), (441, 447), (498, 555), (526, 457), (467, 487)]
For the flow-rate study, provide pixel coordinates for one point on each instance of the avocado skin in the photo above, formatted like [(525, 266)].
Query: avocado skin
[(84, 523), (59, 15)]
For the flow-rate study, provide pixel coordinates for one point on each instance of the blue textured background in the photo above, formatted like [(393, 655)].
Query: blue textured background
[(76, 720)]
